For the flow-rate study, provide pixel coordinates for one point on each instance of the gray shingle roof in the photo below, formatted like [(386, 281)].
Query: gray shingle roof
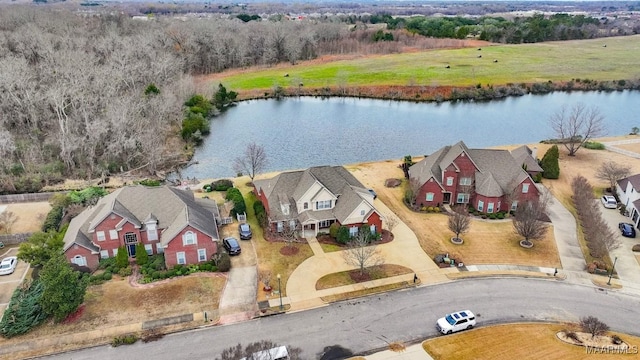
[(524, 156), (288, 187), (498, 171), (633, 179), (174, 209), (77, 230)]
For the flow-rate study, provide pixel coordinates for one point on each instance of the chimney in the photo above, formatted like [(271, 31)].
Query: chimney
[(534, 153)]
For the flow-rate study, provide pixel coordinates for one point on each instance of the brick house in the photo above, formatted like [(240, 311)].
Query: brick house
[(489, 180), (164, 219), (315, 198)]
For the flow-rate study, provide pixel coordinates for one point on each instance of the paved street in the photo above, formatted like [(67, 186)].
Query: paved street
[(408, 316)]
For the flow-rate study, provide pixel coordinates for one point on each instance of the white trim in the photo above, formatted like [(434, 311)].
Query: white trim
[(148, 248), (189, 238), (100, 236)]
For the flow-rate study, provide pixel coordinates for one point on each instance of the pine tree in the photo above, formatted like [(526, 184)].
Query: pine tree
[(141, 254), (122, 258), (64, 288)]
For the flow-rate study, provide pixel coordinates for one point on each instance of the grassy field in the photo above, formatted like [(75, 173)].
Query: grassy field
[(498, 64), (514, 341)]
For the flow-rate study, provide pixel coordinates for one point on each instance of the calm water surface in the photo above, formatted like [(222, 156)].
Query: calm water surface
[(307, 131)]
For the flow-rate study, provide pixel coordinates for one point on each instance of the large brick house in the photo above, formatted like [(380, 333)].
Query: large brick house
[(315, 198), (489, 180), (164, 219)]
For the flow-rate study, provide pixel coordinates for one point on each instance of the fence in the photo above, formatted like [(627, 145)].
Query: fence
[(32, 197), (14, 238)]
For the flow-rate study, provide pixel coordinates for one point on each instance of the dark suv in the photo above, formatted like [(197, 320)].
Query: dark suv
[(627, 230), (232, 246), (245, 231)]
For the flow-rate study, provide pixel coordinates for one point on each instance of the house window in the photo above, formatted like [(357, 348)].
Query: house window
[(463, 198), (325, 223), (202, 255), (353, 231), (100, 235), (280, 226), (490, 208), (115, 252), (152, 235), (362, 212), (104, 254), (373, 229), (292, 224), (113, 234), (130, 238), (450, 181), (429, 197), (148, 248), (465, 181), (189, 238), (321, 205), (306, 206), (525, 188), (79, 260), (181, 258), (480, 205), (514, 205), (159, 248)]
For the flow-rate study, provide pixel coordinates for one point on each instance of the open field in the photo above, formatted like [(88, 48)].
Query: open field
[(515, 341), (30, 216), (522, 63)]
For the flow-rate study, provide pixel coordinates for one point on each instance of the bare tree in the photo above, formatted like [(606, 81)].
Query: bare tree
[(253, 161), (265, 278), (391, 222), (411, 191), (612, 172), (7, 220), (577, 125), (459, 221), (361, 253), (290, 233), (527, 221), (593, 326)]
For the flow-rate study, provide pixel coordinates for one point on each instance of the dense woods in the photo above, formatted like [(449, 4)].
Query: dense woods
[(87, 94)]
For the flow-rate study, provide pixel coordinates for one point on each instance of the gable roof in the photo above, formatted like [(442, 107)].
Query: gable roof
[(498, 171), (172, 209), (289, 187), (524, 156), (633, 179)]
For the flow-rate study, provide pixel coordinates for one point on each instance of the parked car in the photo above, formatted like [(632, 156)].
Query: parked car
[(609, 201), (372, 192), (232, 246), (461, 320), (627, 230), (8, 265), (245, 231)]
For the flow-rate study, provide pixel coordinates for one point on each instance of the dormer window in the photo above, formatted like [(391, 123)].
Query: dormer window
[(285, 209), (321, 205), (306, 206)]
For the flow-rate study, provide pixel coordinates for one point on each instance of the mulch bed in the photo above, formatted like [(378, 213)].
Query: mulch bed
[(289, 250), (386, 237), (71, 318)]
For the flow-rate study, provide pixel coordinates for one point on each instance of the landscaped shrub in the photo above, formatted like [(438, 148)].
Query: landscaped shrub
[(54, 217), (141, 254), (594, 145), (537, 178), (334, 229), (124, 340), (573, 336), (549, 163), (223, 262), (122, 258), (88, 196), (343, 235), (125, 271), (239, 206), (500, 215), (259, 211), (149, 182), (222, 185)]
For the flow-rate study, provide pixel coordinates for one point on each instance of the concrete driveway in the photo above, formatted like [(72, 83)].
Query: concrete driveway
[(8, 283), (627, 266), (240, 293)]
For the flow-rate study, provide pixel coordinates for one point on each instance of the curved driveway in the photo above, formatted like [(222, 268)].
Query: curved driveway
[(409, 316)]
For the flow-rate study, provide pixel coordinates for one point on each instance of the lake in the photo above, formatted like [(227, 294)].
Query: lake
[(307, 131)]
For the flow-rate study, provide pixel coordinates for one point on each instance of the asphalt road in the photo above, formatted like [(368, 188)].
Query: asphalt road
[(371, 323)]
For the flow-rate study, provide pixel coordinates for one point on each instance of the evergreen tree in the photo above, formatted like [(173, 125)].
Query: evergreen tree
[(141, 254), (549, 163), (122, 258), (64, 288)]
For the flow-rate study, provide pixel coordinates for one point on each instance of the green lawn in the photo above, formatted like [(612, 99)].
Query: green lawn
[(522, 63)]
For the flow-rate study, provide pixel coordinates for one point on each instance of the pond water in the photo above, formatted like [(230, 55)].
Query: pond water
[(307, 131)]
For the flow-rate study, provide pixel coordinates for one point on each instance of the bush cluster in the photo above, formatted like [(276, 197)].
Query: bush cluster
[(124, 340), (221, 185), (599, 237), (430, 209), (239, 206), (334, 229), (261, 213), (593, 145), (195, 123), (155, 269), (491, 216), (150, 182), (24, 311)]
